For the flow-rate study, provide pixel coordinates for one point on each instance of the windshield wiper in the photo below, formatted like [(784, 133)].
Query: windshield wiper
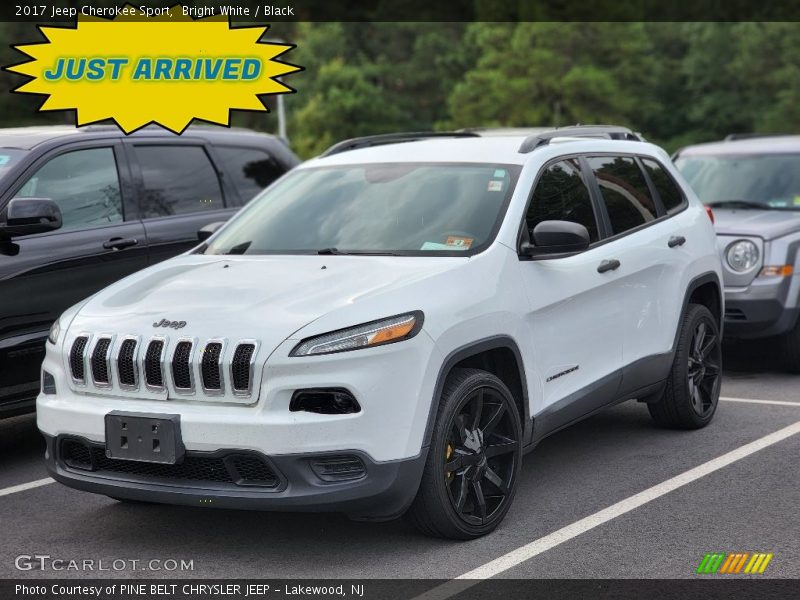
[(739, 204), (239, 248), (337, 252)]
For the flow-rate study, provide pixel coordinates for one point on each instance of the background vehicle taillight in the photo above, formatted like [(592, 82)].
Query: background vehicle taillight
[(710, 213)]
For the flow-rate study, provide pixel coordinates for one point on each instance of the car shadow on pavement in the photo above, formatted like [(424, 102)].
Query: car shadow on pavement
[(751, 357), (19, 437)]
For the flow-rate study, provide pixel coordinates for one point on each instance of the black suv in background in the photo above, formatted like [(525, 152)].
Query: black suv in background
[(82, 208)]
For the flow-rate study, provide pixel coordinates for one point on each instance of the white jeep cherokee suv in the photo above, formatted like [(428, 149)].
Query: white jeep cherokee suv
[(389, 328)]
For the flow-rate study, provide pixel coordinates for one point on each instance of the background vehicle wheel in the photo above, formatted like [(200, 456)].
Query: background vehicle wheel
[(790, 346), (473, 463), (693, 386)]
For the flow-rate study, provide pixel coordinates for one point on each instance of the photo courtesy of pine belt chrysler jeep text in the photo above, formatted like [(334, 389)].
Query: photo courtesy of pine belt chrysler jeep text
[(388, 328)]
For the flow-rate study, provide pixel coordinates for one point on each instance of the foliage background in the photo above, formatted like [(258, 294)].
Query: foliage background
[(677, 83)]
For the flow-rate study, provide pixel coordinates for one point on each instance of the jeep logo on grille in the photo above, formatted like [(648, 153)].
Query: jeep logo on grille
[(170, 324)]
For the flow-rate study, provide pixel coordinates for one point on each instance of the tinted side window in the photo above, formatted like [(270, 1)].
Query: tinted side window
[(250, 168), (177, 180), (562, 195), (625, 192), (84, 184), (668, 190)]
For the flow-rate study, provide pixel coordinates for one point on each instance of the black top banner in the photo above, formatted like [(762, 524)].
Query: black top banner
[(60, 11)]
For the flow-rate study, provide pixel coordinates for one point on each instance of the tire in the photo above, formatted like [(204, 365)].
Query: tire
[(467, 462), (692, 392), (790, 346)]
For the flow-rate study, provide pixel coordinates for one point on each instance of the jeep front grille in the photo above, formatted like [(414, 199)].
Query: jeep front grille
[(126, 363), (100, 361), (181, 367), (76, 358), (219, 369), (212, 378), (153, 374)]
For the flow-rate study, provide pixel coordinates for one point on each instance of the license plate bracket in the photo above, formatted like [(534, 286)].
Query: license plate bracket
[(144, 437)]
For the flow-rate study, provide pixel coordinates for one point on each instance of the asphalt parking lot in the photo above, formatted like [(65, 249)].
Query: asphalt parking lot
[(579, 512)]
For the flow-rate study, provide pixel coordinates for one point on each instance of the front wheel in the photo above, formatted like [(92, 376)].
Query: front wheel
[(474, 459), (692, 393)]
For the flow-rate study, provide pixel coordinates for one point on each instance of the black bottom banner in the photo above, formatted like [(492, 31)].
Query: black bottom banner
[(397, 589)]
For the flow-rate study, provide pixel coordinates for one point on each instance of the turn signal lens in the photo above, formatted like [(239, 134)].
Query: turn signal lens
[(376, 333), (779, 271)]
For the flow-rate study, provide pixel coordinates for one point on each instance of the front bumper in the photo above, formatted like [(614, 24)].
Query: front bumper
[(384, 491), (758, 318), (762, 309)]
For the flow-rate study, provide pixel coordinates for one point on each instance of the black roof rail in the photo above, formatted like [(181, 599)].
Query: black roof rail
[(392, 138), (732, 137), (611, 132)]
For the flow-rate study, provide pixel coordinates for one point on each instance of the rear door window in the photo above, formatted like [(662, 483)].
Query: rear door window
[(251, 169), (561, 195), (669, 192), (177, 179), (624, 190)]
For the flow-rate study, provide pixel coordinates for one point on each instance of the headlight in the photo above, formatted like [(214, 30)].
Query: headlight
[(55, 331), (742, 255), (375, 333)]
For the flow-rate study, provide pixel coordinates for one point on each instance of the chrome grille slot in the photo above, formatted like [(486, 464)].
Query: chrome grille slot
[(210, 366), (126, 363), (76, 358), (100, 370), (241, 367), (153, 373), (181, 366)]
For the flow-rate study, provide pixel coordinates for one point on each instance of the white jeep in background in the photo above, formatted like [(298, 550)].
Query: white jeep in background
[(389, 327)]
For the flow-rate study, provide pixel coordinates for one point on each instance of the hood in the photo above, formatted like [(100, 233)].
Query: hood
[(267, 298), (768, 224)]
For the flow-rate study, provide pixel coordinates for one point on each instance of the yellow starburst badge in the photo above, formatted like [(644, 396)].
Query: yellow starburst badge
[(167, 69)]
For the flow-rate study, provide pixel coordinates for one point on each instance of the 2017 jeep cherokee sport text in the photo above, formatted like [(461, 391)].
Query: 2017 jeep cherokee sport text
[(389, 327)]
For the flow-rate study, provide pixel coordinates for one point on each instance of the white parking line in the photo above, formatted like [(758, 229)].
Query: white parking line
[(754, 401), (536, 547), (26, 486)]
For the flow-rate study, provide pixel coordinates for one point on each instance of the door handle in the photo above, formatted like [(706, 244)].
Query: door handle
[(120, 243), (608, 265), (676, 240)]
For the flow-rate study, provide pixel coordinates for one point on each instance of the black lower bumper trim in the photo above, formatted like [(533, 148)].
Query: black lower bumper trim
[(758, 318), (384, 492)]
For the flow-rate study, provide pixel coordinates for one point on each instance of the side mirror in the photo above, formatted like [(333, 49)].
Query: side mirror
[(206, 232), (26, 216), (556, 237)]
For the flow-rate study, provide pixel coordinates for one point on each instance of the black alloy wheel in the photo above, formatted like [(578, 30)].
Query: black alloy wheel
[(480, 457), (703, 372), (691, 392), (473, 461)]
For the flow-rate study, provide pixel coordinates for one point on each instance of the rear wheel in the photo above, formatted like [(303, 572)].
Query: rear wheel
[(473, 463), (692, 392)]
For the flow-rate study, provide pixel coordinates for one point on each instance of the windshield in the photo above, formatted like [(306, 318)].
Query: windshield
[(9, 157), (757, 181), (399, 208)]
